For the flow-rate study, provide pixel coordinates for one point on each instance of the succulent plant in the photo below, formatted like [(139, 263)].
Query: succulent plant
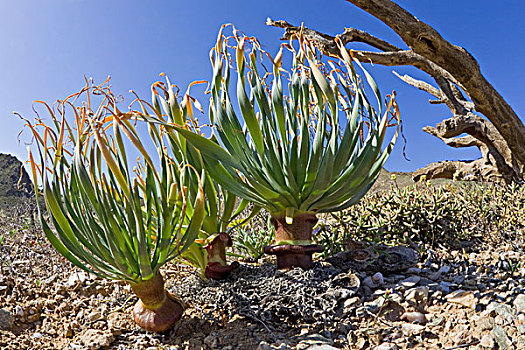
[(317, 150), (251, 239), (222, 207), (108, 221)]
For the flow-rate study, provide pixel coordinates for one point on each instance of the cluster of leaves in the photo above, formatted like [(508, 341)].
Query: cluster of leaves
[(110, 220), (428, 214), (221, 207), (317, 150), (249, 240)]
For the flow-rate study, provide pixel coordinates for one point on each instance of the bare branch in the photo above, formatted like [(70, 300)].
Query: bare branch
[(328, 42), (460, 142), (356, 35), (427, 42), (470, 124), (421, 85), (325, 43), (446, 87), (394, 57), (448, 98)]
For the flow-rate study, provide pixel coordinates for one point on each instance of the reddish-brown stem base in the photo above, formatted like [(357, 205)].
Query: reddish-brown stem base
[(157, 310), (158, 320), (219, 272), (217, 267), (290, 255)]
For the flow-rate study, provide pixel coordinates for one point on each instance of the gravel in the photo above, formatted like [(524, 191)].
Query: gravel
[(451, 298)]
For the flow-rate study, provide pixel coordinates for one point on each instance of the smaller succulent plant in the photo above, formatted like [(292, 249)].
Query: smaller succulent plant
[(251, 239), (222, 207)]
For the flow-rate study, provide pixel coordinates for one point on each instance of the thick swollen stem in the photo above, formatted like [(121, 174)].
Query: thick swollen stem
[(300, 230), (156, 310), (219, 272), (217, 267)]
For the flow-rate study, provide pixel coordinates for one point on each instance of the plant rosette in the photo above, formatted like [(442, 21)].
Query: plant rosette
[(217, 267), (109, 220), (293, 238), (314, 147)]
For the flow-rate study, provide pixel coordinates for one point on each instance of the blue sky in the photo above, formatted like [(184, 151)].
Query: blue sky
[(49, 46)]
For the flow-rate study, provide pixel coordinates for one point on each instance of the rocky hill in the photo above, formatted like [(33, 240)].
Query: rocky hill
[(15, 184), (402, 179)]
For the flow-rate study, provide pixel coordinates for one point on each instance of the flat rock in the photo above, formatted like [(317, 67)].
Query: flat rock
[(386, 346), (392, 310), (417, 295), (266, 346), (463, 298), (321, 347), (487, 341), (375, 305), (376, 258), (485, 323), (6, 320), (95, 339), (412, 271), (445, 286), (503, 310), (315, 339), (411, 329), (519, 303), (500, 336), (410, 281), (414, 317)]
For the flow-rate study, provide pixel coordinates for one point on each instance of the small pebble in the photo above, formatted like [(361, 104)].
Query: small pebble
[(378, 279), (410, 281), (487, 341), (414, 317), (386, 346), (519, 303)]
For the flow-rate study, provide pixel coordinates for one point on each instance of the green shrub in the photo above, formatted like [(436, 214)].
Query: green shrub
[(250, 239), (428, 214)]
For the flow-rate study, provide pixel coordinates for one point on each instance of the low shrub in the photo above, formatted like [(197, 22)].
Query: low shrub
[(428, 214), (250, 239)]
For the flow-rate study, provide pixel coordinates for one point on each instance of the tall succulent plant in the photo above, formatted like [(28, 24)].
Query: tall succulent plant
[(317, 150), (108, 221)]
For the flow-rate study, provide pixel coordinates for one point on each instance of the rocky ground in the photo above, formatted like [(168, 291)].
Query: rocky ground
[(468, 298)]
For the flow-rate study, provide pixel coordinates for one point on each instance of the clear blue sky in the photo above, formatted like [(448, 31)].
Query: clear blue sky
[(48, 47)]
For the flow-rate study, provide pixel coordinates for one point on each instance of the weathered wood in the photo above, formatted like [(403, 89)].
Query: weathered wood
[(459, 170), (427, 42), (495, 159)]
